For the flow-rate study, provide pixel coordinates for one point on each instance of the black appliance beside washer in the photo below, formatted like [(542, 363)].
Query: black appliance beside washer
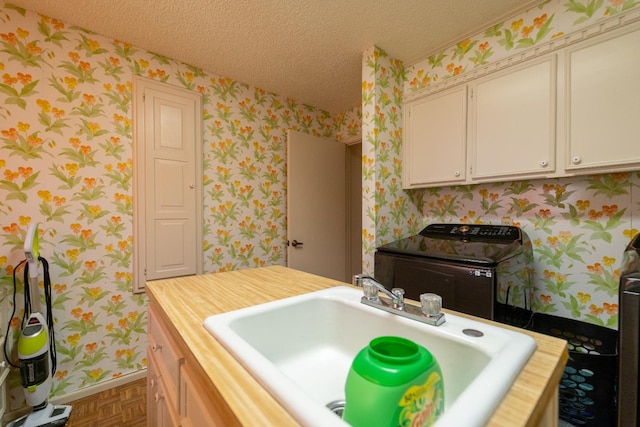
[(629, 337), (483, 270)]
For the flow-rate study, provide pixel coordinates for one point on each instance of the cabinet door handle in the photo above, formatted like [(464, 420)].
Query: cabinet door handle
[(575, 160), (156, 347), (457, 173), (544, 163), (158, 397)]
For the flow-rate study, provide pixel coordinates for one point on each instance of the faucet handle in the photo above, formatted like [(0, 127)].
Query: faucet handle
[(370, 291), (431, 304)]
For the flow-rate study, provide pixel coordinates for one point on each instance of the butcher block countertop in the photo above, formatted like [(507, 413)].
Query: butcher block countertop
[(184, 303)]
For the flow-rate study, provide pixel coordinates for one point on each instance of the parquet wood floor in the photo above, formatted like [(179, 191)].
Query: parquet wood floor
[(123, 406)]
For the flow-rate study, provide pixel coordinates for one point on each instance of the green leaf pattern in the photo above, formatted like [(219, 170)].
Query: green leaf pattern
[(66, 141), (66, 145)]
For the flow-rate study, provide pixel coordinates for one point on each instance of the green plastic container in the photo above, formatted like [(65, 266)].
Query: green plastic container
[(393, 382)]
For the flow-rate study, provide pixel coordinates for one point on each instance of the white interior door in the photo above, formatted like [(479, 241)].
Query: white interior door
[(169, 219), (316, 205)]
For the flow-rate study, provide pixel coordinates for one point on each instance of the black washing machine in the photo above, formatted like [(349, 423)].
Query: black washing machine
[(483, 270)]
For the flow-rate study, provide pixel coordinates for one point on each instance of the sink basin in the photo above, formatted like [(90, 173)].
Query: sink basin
[(301, 348)]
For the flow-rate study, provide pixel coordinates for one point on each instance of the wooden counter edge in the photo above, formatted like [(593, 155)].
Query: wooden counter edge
[(552, 355)]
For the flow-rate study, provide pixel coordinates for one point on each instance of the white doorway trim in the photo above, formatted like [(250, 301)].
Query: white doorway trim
[(141, 176), (354, 206)]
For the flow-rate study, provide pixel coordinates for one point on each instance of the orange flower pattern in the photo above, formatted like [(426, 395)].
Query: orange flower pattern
[(66, 144), (66, 163)]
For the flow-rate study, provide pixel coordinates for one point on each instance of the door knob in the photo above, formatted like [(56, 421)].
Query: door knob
[(296, 243)]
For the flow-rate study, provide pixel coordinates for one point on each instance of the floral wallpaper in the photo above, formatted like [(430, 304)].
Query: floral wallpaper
[(579, 226), (66, 163), (389, 213), (538, 25)]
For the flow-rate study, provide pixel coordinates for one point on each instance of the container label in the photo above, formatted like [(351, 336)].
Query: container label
[(422, 405)]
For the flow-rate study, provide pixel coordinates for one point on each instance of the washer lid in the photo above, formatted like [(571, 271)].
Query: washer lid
[(468, 243), (473, 232)]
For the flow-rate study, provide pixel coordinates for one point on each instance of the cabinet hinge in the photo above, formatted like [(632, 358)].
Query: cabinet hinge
[(145, 272), (144, 97), (471, 93)]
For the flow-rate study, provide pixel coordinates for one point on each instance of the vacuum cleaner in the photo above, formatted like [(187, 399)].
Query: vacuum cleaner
[(36, 343)]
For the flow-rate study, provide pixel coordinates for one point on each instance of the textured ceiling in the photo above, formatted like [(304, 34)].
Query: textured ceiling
[(308, 50)]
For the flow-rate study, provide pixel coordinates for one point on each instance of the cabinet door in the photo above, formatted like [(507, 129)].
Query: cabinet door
[(603, 102), (168, 355), (160, 412), (197, 406), (512, 122), (153, 388), (435, 147)]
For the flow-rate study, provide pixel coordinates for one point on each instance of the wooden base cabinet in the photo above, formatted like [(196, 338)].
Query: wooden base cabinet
[(164, 359), (196, 404), (160, 407), (176, 394)]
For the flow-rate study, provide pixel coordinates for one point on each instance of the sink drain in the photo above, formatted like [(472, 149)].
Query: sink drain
[(472, 333), (337, 406)]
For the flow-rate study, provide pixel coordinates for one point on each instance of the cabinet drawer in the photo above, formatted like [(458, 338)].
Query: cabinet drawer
[(167, 355)]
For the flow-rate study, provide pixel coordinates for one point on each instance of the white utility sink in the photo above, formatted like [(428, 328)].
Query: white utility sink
[(301, 349)]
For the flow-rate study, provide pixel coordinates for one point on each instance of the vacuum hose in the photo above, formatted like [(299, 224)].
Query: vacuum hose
[(27, 310)]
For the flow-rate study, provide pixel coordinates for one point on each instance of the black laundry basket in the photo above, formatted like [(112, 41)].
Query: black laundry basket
[(588, 388)]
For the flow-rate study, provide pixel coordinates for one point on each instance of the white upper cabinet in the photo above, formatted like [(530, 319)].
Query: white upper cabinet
[(435, 139), (512, 122), (567, 108), (603, 103)]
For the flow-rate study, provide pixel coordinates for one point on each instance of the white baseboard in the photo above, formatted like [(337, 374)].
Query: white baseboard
[(98, 388), (82, 393)]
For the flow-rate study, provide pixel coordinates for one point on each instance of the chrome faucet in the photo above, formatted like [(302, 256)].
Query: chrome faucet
[(370, 287), (429, 311)]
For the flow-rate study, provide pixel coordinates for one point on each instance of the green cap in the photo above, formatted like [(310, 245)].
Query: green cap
[(392, 361)]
